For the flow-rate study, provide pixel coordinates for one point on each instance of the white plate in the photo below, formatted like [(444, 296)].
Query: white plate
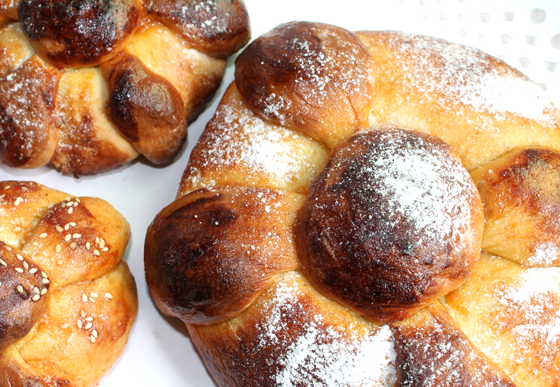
[(524, 33)]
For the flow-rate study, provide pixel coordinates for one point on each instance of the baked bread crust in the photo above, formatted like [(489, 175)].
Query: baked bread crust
[(68, 300), (109, 81), (283, 129)]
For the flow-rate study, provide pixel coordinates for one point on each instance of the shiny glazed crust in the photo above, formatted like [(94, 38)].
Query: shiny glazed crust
[(89, 86), (368, 209), (68, 300)]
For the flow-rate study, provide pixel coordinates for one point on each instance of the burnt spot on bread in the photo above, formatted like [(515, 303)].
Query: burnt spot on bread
[(392, 223), (211, 252), (146, 108), (72, 33), (310, 77), (23, 287), (216, 27)]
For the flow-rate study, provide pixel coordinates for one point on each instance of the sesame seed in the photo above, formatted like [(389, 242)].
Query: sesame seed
[(92, 300), (93, 294), (43, 291), (78, 200), (89, 325), (105, 249), (36, 290), (1, 228), (3, 263), (97, 240), (84, 298), (13, 222), (92, 339), (8, 187), (88, 245), (58, 228), (45, 281), (94, 333), (43, 235), (0, 283), (67, 226), (67, 198), (67, 237), (63, 205), (109, 296), (26, 265), (33, 270), (64, 326), (72, 224), (44, 275), (8, 248), (76, 236), (36, 297), (96, 252), (19, 256), (82, 313), (101, 242), (70, 210), (89, 318), (73, 244), (20, 289), (19, 270), (58, 248), (17, 229), (80, 325)]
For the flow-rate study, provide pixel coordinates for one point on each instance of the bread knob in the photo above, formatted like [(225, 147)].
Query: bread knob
[(72, 33), (391, 224)]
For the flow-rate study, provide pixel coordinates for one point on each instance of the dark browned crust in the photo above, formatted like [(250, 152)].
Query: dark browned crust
[(432, 350), (28, 122), (72, 33), (218, 28), (207, 255), (19, 311), (299, 75), (146, 108), (353, 253)]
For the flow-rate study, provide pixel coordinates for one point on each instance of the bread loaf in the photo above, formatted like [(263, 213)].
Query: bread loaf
[(67, 300), (368, 209), (90, 86)]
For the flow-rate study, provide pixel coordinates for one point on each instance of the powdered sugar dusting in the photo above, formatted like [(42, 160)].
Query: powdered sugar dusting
[(450, 73), (530, 310), (421, 185), (323, 355), (545, 254), (265, 150)]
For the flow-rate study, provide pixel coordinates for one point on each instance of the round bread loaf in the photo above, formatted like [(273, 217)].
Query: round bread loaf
[(67, 300), (88, 86), (368, 209)]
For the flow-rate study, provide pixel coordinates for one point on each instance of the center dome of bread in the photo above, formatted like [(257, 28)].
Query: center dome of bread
[(392, 223)]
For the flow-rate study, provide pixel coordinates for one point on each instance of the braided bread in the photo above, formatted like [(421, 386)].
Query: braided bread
[(89, 86), (68, 301), (368, 209)]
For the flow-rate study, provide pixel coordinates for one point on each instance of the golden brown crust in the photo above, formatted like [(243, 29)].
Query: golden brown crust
[(28, 132), (146, 108), (308, 76), (521, 192), (433, 351), (65, 254), (195, 21), (163, 62), (253, 241), (392, 223)]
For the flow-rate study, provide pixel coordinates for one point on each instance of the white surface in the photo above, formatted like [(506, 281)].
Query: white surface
[(524, 33)]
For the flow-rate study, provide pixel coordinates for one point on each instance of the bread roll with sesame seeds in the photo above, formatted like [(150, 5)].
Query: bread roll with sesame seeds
[(89, 86), (422, 249), (68, 301)]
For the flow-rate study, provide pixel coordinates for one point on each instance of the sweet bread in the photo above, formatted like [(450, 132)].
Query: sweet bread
[(89, 86), (67, 300), (368, 209)]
